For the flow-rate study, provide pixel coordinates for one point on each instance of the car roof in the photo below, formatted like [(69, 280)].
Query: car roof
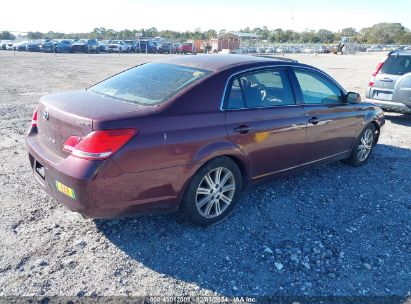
[(220, 62), (400, 53)]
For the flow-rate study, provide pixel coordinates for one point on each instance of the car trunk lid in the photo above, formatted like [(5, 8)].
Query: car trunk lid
[(384, 86), (74, 114)]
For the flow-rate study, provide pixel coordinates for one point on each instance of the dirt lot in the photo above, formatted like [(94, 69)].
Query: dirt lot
[(333, 230)]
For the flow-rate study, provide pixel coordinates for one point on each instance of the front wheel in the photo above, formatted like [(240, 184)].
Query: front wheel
[(213, 192), (363, 147)]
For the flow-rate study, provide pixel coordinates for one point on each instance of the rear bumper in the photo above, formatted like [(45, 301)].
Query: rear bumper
[(391, 106), (99, 189)]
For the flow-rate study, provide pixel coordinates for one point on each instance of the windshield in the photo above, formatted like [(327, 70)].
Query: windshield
[(115, 41), (149, 84), (397, 65)]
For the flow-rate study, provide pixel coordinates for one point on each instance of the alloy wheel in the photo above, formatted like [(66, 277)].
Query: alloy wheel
[(215, 192), (365, 146)]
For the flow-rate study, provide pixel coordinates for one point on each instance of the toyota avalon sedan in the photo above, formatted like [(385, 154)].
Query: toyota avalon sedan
[(189, 133)]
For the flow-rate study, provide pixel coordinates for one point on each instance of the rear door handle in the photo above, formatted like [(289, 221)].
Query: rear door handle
[(387, 80), (313, 120), (243, 129)]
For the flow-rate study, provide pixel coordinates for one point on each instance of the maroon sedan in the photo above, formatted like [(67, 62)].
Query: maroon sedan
[(189, 133)]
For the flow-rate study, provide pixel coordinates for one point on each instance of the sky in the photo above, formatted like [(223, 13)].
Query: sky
[(75, 16)]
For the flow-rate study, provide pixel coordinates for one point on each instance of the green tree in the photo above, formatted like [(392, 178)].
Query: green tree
[(152, 32), (6, 35), (405, 38), (35, 35), (325, 36), (309, 37), (211, 33), (383, 33)]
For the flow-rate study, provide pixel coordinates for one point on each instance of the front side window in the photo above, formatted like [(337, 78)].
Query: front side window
[(317, 89), (261, 89), (150, 83)]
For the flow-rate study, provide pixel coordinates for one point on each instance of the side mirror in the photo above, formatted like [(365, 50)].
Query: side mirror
[(353, 97)]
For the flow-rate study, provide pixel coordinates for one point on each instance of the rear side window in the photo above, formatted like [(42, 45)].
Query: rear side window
[(397, 65), (150, 83), (317, 89), (261, 89), (236, 100)]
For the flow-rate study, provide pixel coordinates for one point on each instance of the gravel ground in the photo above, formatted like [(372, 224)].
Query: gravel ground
[(333, 230)]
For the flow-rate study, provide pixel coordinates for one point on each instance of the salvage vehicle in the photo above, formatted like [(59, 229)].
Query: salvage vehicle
[(20, 46), (188, 133), (3, 44), (165, 48), (187, 48), (132, 45), (35, 46), (390, 84), (102, 45), (9, 45), (85, 46), (57, 46), (118, 46), (146, 46)]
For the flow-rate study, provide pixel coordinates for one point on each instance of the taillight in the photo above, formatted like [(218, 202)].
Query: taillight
[(100, 144), (377, 69), (34, 119)]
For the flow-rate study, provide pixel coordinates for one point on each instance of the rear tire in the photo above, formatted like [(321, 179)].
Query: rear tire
[(212, 192), (363, 147)]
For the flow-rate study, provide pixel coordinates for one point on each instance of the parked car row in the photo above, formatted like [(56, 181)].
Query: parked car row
[(97, 46), (159, 45), (311, 49), (388, 48), (292, 49), (53, 46)]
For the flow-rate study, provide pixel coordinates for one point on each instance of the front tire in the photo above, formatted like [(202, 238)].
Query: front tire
[(213, 192), (363, 147)]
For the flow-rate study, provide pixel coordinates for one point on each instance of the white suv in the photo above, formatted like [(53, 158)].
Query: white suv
[(118, 46), (390, 84)]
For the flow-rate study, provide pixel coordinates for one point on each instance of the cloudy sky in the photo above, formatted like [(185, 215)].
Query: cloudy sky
[(83, 15)]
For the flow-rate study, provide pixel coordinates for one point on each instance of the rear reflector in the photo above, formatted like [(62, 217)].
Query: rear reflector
[(99, 144), (34, 119)]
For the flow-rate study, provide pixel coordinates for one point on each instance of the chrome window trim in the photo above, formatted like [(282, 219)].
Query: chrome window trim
[(271, 67)]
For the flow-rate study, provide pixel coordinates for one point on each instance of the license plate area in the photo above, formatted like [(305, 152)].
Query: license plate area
[(40, 170), (383, 95)]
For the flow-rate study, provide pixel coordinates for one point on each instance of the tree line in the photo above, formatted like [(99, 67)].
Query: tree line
[(381, 33)]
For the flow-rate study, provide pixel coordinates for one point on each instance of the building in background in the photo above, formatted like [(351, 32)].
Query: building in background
[(231, 42)]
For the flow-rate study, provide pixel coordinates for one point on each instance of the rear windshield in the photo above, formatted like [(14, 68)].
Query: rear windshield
[(397, 65), (150, 83)]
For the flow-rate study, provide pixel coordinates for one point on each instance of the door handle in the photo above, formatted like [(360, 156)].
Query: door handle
[(243, 129), (387, 80), (313, 120)]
